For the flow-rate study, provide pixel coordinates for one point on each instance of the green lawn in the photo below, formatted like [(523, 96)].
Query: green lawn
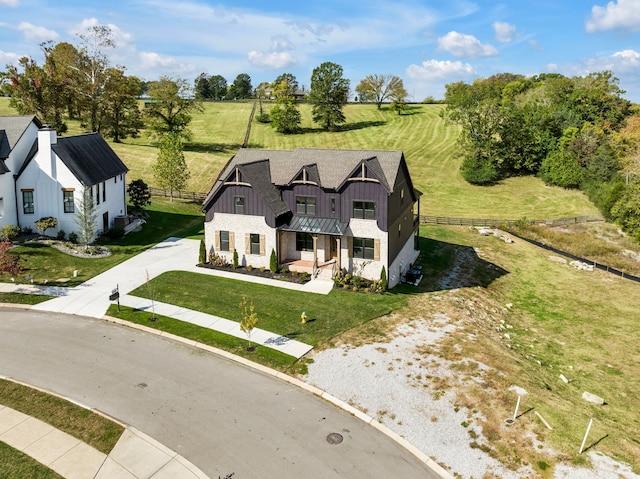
[(15, 464), (428, 144), (165, 219)]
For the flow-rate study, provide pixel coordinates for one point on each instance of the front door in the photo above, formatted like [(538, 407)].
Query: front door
[(333, 249)]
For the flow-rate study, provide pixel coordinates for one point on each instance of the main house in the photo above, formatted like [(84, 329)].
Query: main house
[(342, 210), (42, 175)]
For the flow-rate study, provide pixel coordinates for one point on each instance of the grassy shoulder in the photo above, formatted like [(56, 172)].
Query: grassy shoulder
[(94, 429), (19, 298), (14, 463), (535, 320), (46, 265)]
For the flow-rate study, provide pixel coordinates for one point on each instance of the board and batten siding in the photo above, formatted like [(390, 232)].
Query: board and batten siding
[(253, 204)]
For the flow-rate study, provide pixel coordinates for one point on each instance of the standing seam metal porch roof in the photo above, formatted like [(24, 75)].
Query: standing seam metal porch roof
[(312, 224)]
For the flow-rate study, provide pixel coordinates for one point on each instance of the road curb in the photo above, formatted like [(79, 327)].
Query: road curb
[(428, 461)]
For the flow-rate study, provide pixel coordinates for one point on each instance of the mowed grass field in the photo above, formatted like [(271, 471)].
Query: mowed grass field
[(429, 145)]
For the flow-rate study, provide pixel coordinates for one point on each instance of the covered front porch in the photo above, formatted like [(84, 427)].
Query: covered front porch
[(312, 245)]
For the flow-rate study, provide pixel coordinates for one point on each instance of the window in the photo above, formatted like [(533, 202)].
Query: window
[(305, 205), (255, 243), (304, 242), (333, 205), (224, 241), (67, 200), (98, 193), (104, 191), (238, 205), (1, 207), (363, 248), (28, 207), (402, 196), (364, 210)]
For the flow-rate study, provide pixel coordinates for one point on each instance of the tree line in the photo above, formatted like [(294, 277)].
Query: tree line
[(574, 132)]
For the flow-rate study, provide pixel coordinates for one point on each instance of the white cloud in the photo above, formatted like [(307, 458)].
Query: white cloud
[(504, 31), (272, 59), (627, 60), (8, 58), (9, 3), (462, 45), (119, 37), (150, 61), (624, 15), (439, 70), (34, 33)]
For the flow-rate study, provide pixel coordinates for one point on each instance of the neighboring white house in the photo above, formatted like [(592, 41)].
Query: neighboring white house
[(50, 177)]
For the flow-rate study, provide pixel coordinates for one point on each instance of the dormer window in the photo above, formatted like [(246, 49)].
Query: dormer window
[(365, 210), (362, 174), (236, 178), (305, 205), (304, 178)]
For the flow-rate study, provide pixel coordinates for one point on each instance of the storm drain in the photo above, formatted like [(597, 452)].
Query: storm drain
[(334, 438)]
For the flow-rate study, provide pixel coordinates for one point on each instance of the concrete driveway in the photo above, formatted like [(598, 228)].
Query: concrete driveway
[(223, 417)]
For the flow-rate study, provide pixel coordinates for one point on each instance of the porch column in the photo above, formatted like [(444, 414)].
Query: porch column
[(315, 250), (339, 255)]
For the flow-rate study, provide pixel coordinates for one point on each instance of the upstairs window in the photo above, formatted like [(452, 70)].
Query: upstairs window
[(238, 205), (67, 201), (365, 210), (305, 205), (28, 207), (104, 191), (97, 193)]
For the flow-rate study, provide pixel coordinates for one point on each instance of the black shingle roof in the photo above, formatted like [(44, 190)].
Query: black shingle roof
[(258, 175), (89, 157)]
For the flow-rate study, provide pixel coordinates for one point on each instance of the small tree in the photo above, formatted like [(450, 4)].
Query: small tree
[(171, 170), (235, 258), (43, 224), (202, 257), (9, 263), (139, 194), (249, 318), (383, 279), (86, 218), (273, 261)]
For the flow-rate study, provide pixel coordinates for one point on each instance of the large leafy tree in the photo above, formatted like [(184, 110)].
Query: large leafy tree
[(217, 87), (328, 94), (170, 170), (201, 87), (241, 88), (379, 88), (170, 107), (122, 117), (285, 116)]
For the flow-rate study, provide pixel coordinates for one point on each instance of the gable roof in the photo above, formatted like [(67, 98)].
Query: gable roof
[(333, 167), (257, 174), (89, 157), (13, 128)]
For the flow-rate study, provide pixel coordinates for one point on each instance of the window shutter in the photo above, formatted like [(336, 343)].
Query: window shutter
[(247, 243), (350, 247), (217, 241), (232, 241), (376, 250), (262, 241)]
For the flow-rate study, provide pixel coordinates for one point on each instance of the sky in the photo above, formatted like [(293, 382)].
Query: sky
[(426, 43)]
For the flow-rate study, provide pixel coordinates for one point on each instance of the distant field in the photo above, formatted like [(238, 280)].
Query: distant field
[(428, 144)]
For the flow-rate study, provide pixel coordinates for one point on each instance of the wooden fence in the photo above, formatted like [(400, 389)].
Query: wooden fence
[(442, 220), (186, 195)]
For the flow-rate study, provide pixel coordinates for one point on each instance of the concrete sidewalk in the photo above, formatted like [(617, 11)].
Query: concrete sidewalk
[(135, 456)]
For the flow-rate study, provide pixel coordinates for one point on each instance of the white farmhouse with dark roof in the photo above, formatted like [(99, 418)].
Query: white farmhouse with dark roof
[(337, 210), (49, 175)]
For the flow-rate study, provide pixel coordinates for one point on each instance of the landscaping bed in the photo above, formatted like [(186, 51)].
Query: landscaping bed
[(282, 275)]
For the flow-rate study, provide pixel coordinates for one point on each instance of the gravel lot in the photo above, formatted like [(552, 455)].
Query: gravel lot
[(391, 382)]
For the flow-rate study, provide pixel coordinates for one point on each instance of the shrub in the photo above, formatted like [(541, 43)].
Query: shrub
[(113, 233), (264, 118), (304, 276), (61, 235), (235, 259), (202, 256), (249, 267), (273, 262), (383, 279), (46, 222), (27, 230), (73, 237), (9, 232), (9, 263), (262, 269), (139, 194), (217, 260)]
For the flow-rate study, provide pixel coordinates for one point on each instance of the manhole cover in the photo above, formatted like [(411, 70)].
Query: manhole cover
[(334, 438)]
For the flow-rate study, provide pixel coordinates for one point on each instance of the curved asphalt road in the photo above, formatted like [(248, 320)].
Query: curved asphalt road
[(222, 416)]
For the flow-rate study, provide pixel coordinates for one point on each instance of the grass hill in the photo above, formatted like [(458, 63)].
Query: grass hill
[(427, 141)]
